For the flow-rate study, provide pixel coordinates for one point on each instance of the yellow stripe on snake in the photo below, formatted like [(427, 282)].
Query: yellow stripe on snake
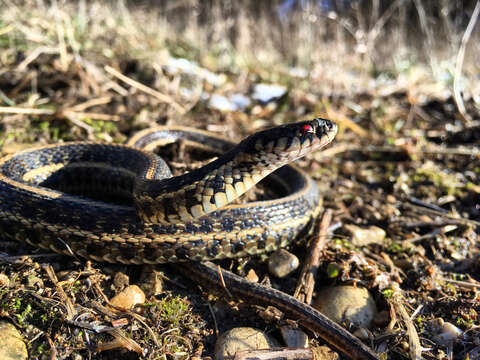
[(120, 204)]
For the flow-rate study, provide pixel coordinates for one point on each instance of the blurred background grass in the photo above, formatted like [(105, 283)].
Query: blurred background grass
[(345, 43)]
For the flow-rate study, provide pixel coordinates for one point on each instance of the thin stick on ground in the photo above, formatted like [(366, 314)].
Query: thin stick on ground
[(92, 102), (71, 312), (35, 54), (278, 353), (162, 97), (306, 281), (27, 111), (459, 64), (93, 116), (413, 339)]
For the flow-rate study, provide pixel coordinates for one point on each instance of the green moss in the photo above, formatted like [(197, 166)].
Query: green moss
[(173, 310), (388, 293), (448, 183)]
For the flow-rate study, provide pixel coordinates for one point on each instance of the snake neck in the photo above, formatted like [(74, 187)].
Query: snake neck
[(188, 197)]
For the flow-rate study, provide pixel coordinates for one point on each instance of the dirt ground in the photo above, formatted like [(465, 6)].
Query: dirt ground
[(405, 160)]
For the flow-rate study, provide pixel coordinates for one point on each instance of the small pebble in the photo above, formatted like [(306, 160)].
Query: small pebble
[(365, 236), (265, 93), (325, 353), (132, 295), (449, 332), (34, 281), (4, 280), (12, 346), (391, 199), (120, 280), (444, 331), (242, 338), (347, 303), (294, 337), (362, 333), (241, 101), (281, 263), (252, 276), (151, 281), (221, 103)]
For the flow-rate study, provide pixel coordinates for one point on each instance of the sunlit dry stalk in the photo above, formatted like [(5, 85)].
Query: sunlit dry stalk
[(459, 64), (428, 34), (62, 47), (162, 97)]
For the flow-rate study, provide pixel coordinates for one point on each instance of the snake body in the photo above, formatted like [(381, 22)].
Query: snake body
[(120, 204), (44, 197)]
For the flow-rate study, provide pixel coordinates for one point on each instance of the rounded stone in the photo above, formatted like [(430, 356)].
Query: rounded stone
[(4, 280), (325, 353), (151, 281), (281, 263), (12, 346), (130, 296), (294, 337), (444, 332), (241, 339), (365, 236), (120, 280), (347, 303)]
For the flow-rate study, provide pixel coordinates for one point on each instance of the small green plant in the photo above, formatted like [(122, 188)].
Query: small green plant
[(27, 312), (173, 309)]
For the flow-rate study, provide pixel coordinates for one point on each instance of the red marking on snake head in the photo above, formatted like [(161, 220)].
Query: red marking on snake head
[(307, 129)]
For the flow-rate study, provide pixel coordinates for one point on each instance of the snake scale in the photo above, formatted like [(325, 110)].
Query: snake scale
[(121, 204)]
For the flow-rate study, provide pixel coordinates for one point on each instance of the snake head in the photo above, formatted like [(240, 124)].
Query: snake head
[(286, 143)]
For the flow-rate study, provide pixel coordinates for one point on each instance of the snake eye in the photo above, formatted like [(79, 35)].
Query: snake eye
[(307, 129)]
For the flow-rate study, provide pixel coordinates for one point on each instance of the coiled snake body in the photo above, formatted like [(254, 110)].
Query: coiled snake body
[(119, 204)]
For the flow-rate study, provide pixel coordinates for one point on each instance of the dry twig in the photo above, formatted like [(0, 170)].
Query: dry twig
[(27, 111), (92, 102), (120, 341), (306, 281), (34, 54), (71, 312), (459, 64), (413, 339), (275, 353), (162, 97)]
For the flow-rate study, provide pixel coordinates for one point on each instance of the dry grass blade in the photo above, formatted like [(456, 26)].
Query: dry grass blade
[(62, 47), (413, 339), (26, 111), (380, 23), (90, 115), (459, 64), (345, 121), (7, 29), (35, 54), (74, 119), (120, 341), (93, 102), (427, 30), (463, 284), (272, 354), (162, 97)]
